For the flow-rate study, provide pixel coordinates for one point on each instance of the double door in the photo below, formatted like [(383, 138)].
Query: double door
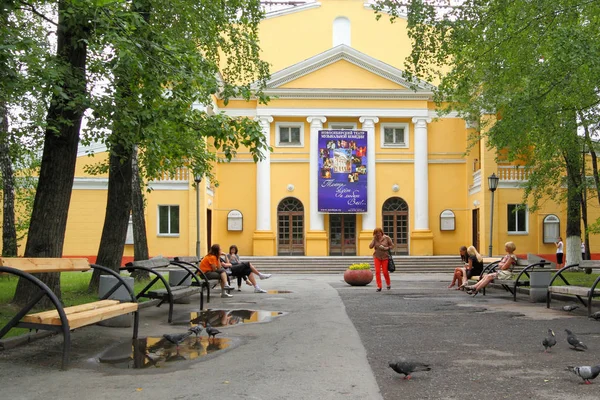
[(342, 234)]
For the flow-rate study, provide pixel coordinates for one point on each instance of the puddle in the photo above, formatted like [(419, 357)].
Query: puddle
[(158, 352), (278, 291), (219, 318)]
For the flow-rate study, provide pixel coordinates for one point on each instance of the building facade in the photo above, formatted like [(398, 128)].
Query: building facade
[(335, 68)]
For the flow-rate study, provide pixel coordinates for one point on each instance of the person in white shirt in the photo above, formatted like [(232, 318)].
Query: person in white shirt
[(582, 250), (559, 253)]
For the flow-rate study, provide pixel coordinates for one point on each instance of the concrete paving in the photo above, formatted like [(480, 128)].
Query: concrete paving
[(334, 342)]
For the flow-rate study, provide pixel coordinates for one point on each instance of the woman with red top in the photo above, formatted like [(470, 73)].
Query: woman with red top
[(382, 245), (212, 268)]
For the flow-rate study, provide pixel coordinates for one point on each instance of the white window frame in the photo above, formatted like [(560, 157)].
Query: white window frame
[(279, 125), (509, 215), (404, 125), (332, 125), (158, 233)]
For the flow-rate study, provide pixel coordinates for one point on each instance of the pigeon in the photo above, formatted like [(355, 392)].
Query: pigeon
[(549, 341), (574, 341), (570, 308), (407, 367), (196, 329), (211, 331), (596, 316), (586, 373), (178, 338)]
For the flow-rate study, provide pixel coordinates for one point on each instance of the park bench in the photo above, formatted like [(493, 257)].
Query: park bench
[(64, 319), (193, 263), (523, 278), (156, 266), (578, 291)]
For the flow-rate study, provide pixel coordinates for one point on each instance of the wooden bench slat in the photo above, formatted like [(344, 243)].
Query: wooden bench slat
[(39, 265), (41, 317), (81, 317)]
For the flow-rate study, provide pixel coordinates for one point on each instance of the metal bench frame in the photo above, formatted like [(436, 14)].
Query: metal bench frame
[(170, 294), (15, 322), (592, 289)]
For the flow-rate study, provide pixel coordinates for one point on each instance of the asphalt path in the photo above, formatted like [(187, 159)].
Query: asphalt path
[(486, 347)]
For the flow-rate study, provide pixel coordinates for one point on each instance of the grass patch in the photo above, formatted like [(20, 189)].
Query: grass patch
[(74, 287), (577, 279)]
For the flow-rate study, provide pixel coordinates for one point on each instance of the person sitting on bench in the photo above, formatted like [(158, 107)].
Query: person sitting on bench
[(457, 277), (212, 268), (242, 269), (504, 270), (474, 266)]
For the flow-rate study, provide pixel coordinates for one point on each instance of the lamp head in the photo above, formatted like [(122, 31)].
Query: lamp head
[(197, 178), (493, 182)]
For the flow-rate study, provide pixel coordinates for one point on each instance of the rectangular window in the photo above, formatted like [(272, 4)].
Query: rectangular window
[(289, 135), (168, 220), (394, 135), (517, 218)]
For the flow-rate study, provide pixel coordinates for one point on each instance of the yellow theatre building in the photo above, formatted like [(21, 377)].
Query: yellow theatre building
[(354, 148)]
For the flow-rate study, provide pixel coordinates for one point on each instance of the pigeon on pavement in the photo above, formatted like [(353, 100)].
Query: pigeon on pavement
[(586, 373), (211, 331), (549, 341), (177, 339), (570, 308), (574, 341), (196, 329), (407, 367), (596, 316)]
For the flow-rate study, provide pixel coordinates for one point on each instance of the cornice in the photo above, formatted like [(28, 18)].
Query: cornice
[(354, 94), (291, 10)]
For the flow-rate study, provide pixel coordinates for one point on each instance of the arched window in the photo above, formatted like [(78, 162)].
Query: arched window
[(290, 227), (395, 223), (551, 228), (341, 31)]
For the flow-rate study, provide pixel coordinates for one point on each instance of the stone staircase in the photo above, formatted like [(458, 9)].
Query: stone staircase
[(337, 265)]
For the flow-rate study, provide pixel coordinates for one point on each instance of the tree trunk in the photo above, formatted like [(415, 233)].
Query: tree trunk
[(118, 208), (9, 231), (574, 186), (46, 233), (140, 240)]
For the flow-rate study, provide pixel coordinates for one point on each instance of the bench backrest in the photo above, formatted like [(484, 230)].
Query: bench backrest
[(39, 265), (595, 264), (193, 260), (154, 262)]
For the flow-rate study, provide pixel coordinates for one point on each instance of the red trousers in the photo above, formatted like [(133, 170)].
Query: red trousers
[(378, 266)]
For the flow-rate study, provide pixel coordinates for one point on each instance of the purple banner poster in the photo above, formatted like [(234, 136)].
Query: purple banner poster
[(342, 171)]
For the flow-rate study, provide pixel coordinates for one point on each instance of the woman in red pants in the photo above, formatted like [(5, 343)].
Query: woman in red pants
[(382, 245)]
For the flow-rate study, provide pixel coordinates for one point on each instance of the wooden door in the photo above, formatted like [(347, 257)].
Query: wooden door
[(342, 234), (290, 227), (395, 223)]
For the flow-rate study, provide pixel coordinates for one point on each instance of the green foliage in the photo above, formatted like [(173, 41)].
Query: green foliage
[(531, 64), (359, 266)]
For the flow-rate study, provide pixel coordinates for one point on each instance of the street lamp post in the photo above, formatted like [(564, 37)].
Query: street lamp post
[(198, 179), (493, 185)]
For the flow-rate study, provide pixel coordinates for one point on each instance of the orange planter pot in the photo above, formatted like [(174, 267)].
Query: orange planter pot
[(359, 277)]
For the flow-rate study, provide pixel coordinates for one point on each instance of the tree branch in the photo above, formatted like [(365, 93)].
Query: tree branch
[(30, 7)]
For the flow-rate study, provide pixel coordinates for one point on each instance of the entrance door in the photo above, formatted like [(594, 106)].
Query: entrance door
[(395, 223), (342, 234), (290, 227), (475, 228)]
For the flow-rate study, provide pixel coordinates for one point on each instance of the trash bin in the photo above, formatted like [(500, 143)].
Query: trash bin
[(122, 294), (540, 279)]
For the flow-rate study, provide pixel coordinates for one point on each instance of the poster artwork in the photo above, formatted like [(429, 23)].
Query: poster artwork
[(342, 171)]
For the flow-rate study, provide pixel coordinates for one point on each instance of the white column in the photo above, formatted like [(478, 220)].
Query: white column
[(263, 181), (317, 221), (421, 205), (369, 219)]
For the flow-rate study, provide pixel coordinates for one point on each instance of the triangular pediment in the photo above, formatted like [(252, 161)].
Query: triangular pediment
[(342, 75), (341, 68)]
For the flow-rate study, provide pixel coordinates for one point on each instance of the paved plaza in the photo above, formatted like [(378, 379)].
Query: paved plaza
[(332, 342)]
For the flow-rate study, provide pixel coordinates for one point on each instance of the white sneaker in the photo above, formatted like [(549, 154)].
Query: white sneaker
[(227, 287), (265, 276), (259, 290), (225, 295)]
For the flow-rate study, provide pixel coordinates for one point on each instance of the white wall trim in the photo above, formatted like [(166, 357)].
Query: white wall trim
[(344, 112), (339, 94), (169, 185), (90, 183), (474, 189), (354, 125), (291, 10)]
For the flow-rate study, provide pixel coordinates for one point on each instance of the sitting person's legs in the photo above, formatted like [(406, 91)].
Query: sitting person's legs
[(246, 269), (221, 275)]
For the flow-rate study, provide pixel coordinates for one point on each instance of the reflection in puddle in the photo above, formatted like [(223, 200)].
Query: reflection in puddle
[(278, 291), (157, 352), (231, 317)]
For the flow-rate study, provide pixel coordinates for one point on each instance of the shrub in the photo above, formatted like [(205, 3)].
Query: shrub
[(359, 266)]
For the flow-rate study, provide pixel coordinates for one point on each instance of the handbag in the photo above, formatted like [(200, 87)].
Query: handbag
[(391, 264)]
